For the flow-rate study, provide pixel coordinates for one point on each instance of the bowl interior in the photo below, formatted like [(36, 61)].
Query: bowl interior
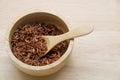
[(39, 17)]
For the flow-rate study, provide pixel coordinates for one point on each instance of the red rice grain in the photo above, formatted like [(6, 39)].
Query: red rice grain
[(28, 45)]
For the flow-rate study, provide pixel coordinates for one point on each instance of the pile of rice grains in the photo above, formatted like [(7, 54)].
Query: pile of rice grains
[(28, 45)]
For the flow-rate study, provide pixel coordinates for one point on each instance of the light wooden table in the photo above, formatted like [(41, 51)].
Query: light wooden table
[(94, 57)]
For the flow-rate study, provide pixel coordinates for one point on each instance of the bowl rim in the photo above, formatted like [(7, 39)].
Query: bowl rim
[(30, 67)]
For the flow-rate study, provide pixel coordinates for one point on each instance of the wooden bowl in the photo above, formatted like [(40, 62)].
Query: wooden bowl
[(39, 70)]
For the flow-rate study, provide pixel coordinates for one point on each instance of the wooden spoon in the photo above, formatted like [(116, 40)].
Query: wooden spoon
[(77, 32)]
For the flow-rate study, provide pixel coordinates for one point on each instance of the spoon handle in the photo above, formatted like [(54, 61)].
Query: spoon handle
[(77, 32)]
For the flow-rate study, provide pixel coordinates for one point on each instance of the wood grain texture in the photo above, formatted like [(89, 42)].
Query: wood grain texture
[(94, 57)]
